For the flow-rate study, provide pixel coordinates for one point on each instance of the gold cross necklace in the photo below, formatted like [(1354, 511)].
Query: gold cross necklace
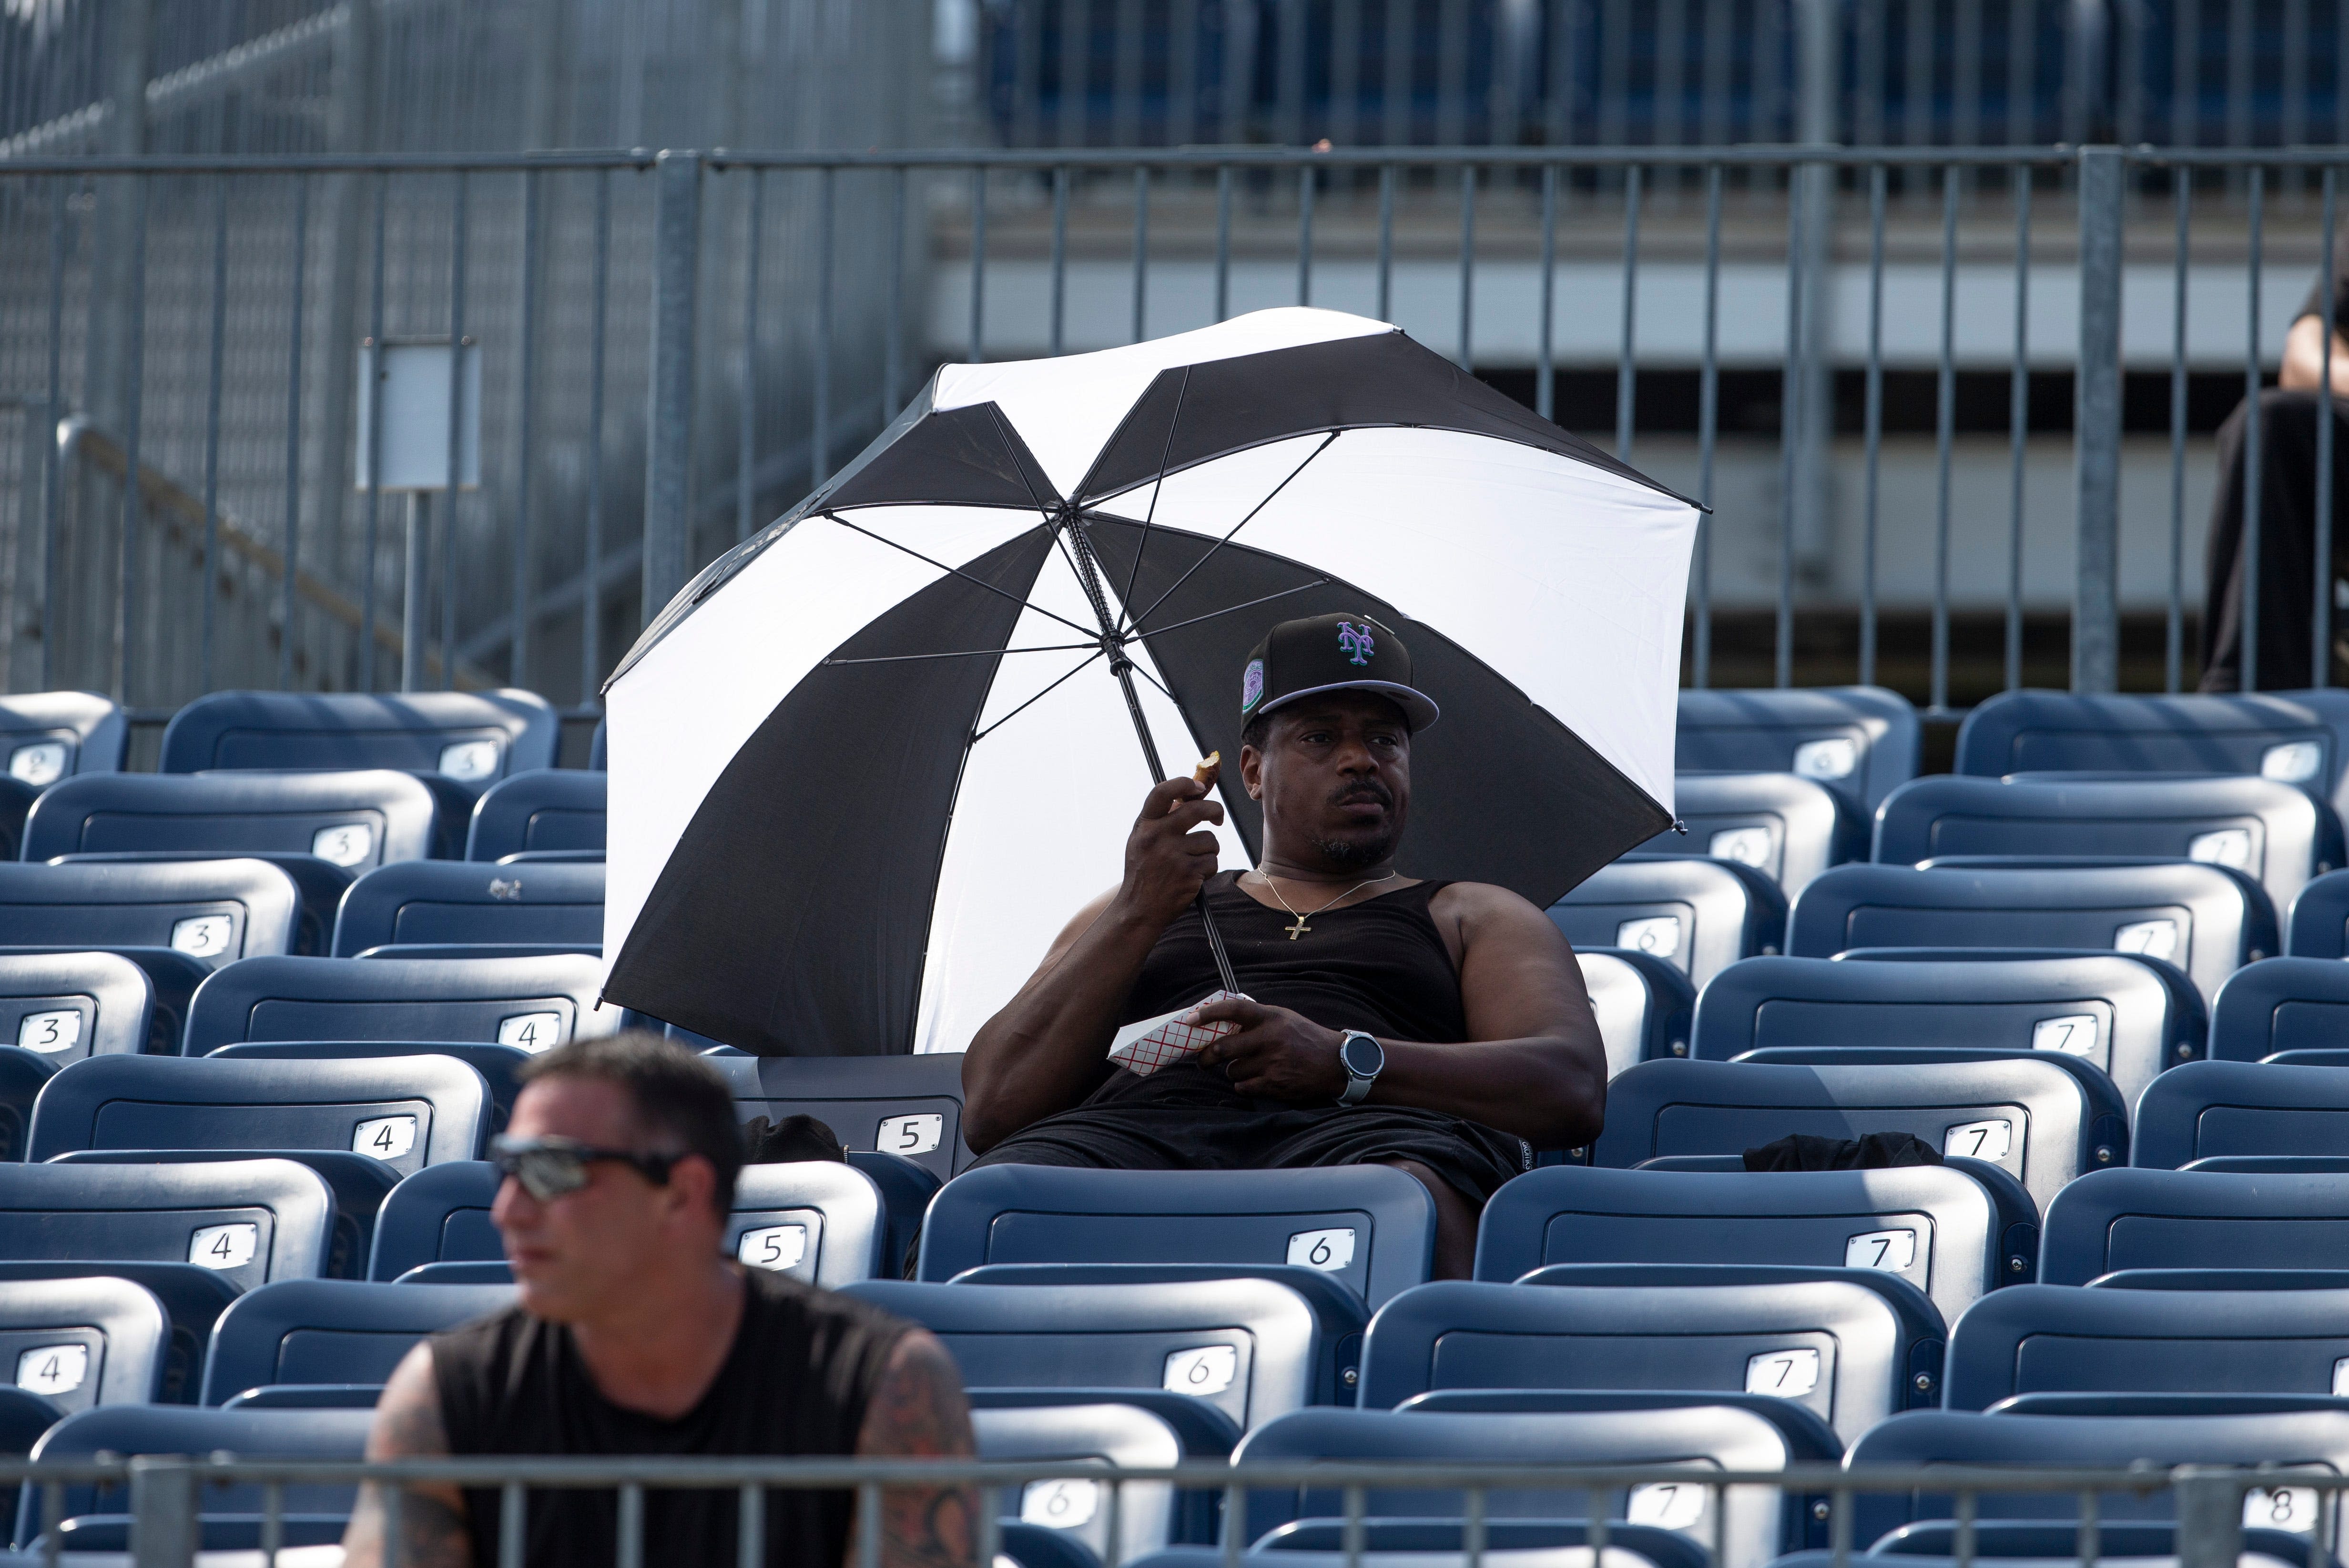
[(1300, 927)]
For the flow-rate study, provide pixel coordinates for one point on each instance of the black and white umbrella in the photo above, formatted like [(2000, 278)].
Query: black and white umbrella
[(865, 766)]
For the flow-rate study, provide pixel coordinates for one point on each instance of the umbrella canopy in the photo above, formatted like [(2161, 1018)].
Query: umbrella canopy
[(867, 763)]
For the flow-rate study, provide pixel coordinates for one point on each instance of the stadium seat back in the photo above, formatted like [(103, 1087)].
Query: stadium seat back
[(354, 820), (2206, 919), (2113, 1219), (457, 901), (1700, 916), (1407, 1542), (539, 811), (64, 1006), (533, 1002), (1249, 1347), (49, 735), (2042, 1118), (909, 1105), (497, 1065), (1839, 1348), (1944, 1230), (1699, 1438), (2207, 1109), (2278, 833), (259, 1434), (2289, 737), (332, 1331), (1643, 1004), (2058, 1338), (1858, 740), (473, 737), (1788, 827), (1113, 1437), (2319, 923), (249, 1221), (2112, 1012), (2283, 1004), (215, 912), (80, 1343), (1369, 1225), (406, 1111)]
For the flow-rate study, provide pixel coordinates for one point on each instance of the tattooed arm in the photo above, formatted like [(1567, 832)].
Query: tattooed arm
[(432, 1518), (918, 1411)]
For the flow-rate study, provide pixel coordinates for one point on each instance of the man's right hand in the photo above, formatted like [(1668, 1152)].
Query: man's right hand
[(1166, 862)]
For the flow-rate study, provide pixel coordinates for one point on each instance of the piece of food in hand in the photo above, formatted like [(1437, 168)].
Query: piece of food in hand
[(1207, 765), (1147, 1044)]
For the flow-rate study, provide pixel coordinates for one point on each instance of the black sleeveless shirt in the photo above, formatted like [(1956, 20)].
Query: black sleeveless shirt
[(1380, 965), (803, 1365)]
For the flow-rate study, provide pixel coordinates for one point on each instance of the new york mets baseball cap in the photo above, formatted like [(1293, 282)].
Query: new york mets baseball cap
[(1331, 653)]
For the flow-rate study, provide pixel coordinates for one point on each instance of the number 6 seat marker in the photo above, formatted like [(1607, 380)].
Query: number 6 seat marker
[(1330, 1250)]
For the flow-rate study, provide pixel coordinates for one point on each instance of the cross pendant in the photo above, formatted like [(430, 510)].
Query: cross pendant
[(1298, 929)]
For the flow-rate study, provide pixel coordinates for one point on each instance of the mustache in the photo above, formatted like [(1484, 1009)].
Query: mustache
[(1364, 789)]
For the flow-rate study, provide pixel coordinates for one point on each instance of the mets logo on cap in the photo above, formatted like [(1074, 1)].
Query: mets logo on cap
[(1252, 685), (1355, 641)]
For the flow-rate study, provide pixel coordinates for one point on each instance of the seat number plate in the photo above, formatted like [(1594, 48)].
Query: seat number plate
[(48, 1032), (1667, 1505), (1978, 1140), (1790, 1373), (1329, 1250), (344, 844), (1059, 1504), (1890, 1251), (53, 1368), (2154, 938), (917, 1133), (2292, 1508), (1658, 935), (775, 1247), (1209, 1369), (202, 936), (533, 1032), (2075, 1035), (224, 1246), (385, 1137)]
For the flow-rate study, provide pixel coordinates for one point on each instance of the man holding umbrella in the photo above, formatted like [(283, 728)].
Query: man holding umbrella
[(1440, 1027)]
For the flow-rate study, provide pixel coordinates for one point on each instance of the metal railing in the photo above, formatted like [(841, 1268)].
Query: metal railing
[(763, 351), (165, 1499)]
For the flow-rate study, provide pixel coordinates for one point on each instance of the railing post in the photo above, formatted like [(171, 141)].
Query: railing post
[(2096, 425), (2209, 1517), (162, 1513), (668, 413)]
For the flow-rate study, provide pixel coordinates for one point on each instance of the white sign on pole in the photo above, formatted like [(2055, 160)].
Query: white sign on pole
[(413, 440)]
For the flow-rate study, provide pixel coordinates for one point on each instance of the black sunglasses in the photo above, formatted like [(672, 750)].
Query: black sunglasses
[(548, 1167)]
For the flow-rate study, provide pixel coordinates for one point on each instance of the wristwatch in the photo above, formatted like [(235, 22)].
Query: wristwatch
[(1362, 1057)]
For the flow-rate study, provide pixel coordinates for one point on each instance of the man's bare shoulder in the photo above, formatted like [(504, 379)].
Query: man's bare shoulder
[(918, 1408), (1477, 908)]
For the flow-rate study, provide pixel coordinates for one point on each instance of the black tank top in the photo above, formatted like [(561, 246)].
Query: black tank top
[(1380, 965), (803, 1365)]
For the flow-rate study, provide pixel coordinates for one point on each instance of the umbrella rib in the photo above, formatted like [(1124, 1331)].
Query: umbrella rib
[(965, 577), (1228, 609), (1157, 485), (1227, 539), (1036, 699), (968, 654)]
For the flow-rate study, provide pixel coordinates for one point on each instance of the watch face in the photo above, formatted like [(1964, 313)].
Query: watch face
[(1362, 1055)]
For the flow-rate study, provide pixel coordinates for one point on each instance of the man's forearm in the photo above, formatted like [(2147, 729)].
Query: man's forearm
[(1541, 1090)]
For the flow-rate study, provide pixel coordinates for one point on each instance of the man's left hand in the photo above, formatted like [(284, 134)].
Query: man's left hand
[(1276, 1054)]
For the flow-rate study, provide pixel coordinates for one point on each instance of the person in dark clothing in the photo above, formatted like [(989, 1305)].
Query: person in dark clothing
[(1439, 1027), (634, 1334), (2288, 516)]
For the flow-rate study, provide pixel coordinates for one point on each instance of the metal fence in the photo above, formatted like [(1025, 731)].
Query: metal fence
[(1718, 1510), (196, 544)]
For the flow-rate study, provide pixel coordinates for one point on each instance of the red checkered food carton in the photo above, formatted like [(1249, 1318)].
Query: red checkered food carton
[(1143, 1047)]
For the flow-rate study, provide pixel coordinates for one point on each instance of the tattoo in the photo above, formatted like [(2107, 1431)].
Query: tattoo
[(431, 1520), (919, 1411)]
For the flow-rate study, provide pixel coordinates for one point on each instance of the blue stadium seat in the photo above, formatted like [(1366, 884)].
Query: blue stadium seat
[(2111, 1011), (497, 1065), (2317, 1439), (1113, 1437), (599, 746), (2319, 923), (2057, 1338), (2291, 737), (64, 1006), (250, 1220), (909, 1105), (1952, 1231), (542, 810), (1699, 914), (406, 1111), (191, 1297), (533, 1002), (447, 902), (23, 1076), (214, 910), (2042, 1118), (172, 975), (1700, 1437), (80, 1343), (2278, 835), (321, 884), (332, 1332), (2206, 919), (1643, 1004), (475, 738), (2283, 1004), (260, 1435), (1409, 1542), (1858, 740), (16, 798), (1847, 1344), (354, 820), (2113, 1220), (49, 735), (1788, 827), (820, 1221), (2218, 1109), (1369, 1225), (1339, 1313), (358, 1183)]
